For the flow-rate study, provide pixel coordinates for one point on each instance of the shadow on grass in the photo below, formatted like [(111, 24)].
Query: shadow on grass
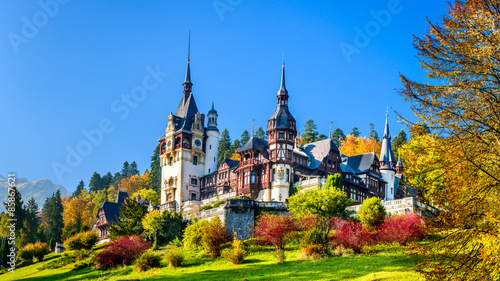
[(83, 274)]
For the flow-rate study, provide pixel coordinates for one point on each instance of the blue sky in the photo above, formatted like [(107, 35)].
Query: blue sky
[(69, 69)]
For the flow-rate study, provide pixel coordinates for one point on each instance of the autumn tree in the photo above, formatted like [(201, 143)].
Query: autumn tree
[(152, 196), (359, 145), (78, 215), (463, 108), (135, 183)]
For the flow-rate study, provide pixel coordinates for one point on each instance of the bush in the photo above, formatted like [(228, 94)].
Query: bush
[(175, 257), (206, 207), (147, 261), (372, 212), (402, 229), (83, 240), (353, 235), (274, 229), (121, 251), (304, 223), (193, 234), (37, 250), (313, 251), (218, 203), (237, 254), (214, 236), (315, 236), (81, 254)]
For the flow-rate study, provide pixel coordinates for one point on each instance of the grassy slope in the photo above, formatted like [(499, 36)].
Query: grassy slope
[(385, 264)]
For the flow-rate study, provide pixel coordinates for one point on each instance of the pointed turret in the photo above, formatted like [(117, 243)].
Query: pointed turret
[(399, 165), (387, 161), (187, 82), (282, 118), (282, 92)]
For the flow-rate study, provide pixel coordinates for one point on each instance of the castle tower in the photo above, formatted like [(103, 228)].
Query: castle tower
[(212, 142), (399, 165), (182, 155), (281, 133), (387, 162)]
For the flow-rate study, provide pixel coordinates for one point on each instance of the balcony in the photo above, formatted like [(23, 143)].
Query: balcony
[(169, 206), (184, 145)]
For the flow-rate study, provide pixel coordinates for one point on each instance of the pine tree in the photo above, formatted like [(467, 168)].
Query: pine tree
[(95, 183), (310, 132), (338, 136), (125, 173), (106, 180), (16, 210), (235, 146), (355, 132), (5, 251), (224, 146), (31, 221), (133, 170), (373, 133), (155, 172), (129, 220), (245, 136), (261, 134), (53, 212), (321, 137), (79, 189), (399, 140)]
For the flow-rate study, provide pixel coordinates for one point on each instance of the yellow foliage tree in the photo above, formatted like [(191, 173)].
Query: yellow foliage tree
[(135, 183), (77, 213), (461, 176), (359, 145), (152, 196)]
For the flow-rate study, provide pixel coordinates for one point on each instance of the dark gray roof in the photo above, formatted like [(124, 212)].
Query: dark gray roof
[(256, 143), (143, 202), (185, 112), (318, 151), (283, 90), (361, 163), (111, 211), (121, 196), (231, 163), (282, 117)]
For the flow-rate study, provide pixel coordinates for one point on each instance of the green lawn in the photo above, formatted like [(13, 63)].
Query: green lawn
[(384, 263)]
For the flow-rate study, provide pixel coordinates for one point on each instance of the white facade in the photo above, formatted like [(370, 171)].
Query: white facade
[(389, 177), (280, 185)]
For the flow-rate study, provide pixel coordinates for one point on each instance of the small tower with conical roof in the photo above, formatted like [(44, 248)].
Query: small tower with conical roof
[(387, 161), (399, 165), (281, 133), (212, 142)]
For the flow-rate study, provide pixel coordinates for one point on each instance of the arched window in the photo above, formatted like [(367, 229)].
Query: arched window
[(169, 197), (253, 176)]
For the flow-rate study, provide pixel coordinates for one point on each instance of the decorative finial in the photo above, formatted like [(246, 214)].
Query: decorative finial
[(253, 125), (387, 112), (212, 103), (189, 45), (330, 128), (399, 155)]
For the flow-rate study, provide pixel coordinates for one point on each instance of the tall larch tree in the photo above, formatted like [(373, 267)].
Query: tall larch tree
[(310, 132), (462, 105), (373, 134), (338, 137), (355, 132), (261, 134), (134, 170), (245, 136), (155, 171), (224, 150), (79, 189), (53, 212), (95, 183)]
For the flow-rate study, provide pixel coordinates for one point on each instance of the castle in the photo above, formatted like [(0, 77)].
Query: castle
[(191, 176)]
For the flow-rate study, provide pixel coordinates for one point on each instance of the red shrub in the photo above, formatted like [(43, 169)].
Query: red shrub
[(304, 223), (122, 250), (352, 235), (274, 229), (402, 229)]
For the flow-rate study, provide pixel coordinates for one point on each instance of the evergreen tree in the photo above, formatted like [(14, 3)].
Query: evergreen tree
[(5, 251), (155, 171), (399, 140), (310, 132), (125, 173), (373, 133), (355, 132), (245, 136), (53, 210), (79, 189), (261, 134), (321, 137), (235, 146), (106, 180), (224, 146), (338, 136), (95, 183), (129, 220), (16, 210), (133, 170), (31, 221)]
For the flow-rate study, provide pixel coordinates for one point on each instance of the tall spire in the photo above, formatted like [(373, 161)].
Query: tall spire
[(283, 91), (187, 82), (386, 155)]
